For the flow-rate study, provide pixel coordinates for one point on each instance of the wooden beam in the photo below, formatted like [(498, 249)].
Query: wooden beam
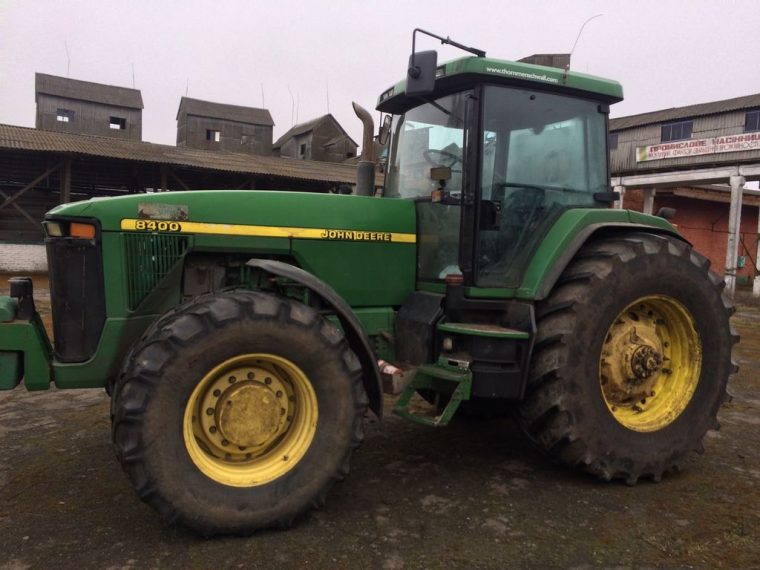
[(177, 178), (714, 195), (36, 223), (66, 181), (32, 184), (246, 184)]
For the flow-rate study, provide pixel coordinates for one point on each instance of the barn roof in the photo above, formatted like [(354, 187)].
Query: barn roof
[(87, 91)]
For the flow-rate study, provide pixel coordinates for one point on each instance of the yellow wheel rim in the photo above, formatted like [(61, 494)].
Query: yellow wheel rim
[(250, 420), (650, 363)]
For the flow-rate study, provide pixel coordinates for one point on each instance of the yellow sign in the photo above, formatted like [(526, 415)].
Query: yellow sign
[(166, 226)]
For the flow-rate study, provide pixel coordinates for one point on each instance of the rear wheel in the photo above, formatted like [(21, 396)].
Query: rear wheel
[(631, 359), (238, 411)]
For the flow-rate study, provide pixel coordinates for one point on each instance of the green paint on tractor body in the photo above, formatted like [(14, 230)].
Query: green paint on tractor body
[(242, 334), (373, 252)]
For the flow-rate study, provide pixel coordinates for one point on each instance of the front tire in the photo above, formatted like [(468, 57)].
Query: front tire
[(631, 360), (238, 411)]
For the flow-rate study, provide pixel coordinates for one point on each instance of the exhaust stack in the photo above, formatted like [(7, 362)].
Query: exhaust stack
[(365, 172)]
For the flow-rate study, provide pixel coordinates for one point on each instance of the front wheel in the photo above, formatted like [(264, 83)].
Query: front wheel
[(238, 411), (631, 360)]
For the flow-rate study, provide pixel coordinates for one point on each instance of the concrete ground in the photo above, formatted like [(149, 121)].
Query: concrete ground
[(472, 495)]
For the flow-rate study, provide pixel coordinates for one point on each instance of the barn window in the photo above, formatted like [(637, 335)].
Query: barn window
[(213, 135), (118, 123), (302, 150), (612, 139), (752, 121), (677, 131), (64, 115)]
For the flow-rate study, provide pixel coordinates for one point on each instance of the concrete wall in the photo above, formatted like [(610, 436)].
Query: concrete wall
[(191, 133), (22, 258), (88, 118)]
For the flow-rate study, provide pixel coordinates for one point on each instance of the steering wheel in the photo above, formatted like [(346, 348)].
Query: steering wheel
[(431, 155)]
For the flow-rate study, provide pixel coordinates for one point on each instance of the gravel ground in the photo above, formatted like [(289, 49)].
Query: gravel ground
[(472, 495)]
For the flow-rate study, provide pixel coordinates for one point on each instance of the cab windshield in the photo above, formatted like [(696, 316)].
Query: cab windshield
[(428, 136)]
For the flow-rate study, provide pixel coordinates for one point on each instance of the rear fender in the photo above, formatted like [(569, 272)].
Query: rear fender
[(552, 275)]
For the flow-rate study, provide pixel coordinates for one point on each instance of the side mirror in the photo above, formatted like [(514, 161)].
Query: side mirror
[(420, 78), (385, 130)]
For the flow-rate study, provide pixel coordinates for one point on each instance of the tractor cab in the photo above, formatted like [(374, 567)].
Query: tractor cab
[(493, 152)]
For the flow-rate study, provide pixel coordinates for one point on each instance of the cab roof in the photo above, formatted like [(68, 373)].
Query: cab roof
[(465, 72)]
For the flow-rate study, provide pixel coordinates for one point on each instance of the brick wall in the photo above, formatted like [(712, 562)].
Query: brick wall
[(705, 225), (22, 258)]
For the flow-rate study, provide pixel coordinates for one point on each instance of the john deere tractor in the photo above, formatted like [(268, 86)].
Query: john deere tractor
[(239, 332)]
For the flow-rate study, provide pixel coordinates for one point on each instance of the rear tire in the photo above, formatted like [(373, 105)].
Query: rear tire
[(238, 411), (631, 359)]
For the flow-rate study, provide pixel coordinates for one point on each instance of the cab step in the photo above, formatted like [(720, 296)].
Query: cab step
[(445, 376)]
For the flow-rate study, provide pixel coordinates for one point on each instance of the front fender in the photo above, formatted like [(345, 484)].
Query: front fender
[(355, 335)]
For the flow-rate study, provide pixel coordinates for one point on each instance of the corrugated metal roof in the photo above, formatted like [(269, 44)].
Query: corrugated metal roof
[(308, 126), (249, 115), (676, 113), (24, 138), (87, 91)]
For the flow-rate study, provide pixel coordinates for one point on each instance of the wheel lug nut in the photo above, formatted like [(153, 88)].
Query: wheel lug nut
[(210, 411), (212, 429), (279, 393), (225, 442), (217, 393), (267, 380), (232, 379), (250, 376)]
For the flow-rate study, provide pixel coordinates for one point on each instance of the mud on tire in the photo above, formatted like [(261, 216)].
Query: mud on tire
[(636, 280), (193, 480)]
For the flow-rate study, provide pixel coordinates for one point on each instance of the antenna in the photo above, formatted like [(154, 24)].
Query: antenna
[(298, 105), (68, 58), (327, 89), (187, 86), (133, 75), (263, 105), (572, 51), (292, 107)]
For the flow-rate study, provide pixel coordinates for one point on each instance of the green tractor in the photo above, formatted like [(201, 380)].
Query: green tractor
[(239, 332)]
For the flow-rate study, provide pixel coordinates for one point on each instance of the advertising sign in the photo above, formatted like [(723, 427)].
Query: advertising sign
[(713, 145)]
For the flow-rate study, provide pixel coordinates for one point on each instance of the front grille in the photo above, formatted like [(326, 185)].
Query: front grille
[(150, 257), (78, 296)]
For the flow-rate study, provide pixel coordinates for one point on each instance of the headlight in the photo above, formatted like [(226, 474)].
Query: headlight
[(53, 229)]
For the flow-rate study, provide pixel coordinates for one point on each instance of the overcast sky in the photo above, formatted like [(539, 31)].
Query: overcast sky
[(258, 53)]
